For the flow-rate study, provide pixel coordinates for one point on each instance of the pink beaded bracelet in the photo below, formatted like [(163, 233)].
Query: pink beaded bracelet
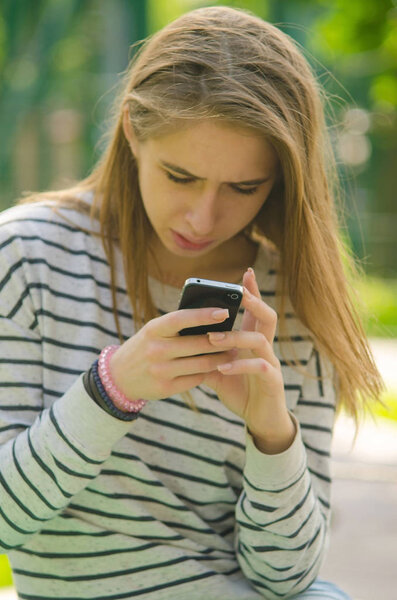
[(115, 394)]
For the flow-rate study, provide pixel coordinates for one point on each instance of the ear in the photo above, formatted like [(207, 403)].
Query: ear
[(129, 132)]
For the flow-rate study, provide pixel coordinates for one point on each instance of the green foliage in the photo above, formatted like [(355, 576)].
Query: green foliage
[(5, 572), (161, 13), (380, 299), (389, 411)]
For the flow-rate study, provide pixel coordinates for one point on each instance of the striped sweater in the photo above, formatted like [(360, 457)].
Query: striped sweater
[(179, 503)]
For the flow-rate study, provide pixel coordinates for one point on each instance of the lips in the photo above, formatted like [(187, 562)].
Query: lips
[(186, 242)]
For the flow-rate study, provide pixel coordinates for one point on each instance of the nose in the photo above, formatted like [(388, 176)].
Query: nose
[(202, 215)]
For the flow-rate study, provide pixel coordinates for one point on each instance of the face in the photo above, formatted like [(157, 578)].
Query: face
[(201, 186)]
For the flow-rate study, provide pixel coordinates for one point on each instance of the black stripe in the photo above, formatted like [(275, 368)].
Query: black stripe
[(187, 476), (123, 573), (208, 436), (324, 503), (14, 526), (113, 472), (17, 501), (262, 507), (18, 305), (103, 513), (320, 476), (40, 363), (71, 472), (183, 452), (22, 407), (205, 411), (274, 491), (294, 338), (77, 322), (137, 498), (295, 509), (129, 594), (99, 553), (13, 426), (69, 443), (73, 533), (32, 238), (303, 546), (79, 299), (262, 576), (60, 224), (317, 450), (195, 502), (14, 338), (315, 404), (273, 567), (315, 427), (45, 468), (29, 483), (20, 384), (319, 373), (78, 347)]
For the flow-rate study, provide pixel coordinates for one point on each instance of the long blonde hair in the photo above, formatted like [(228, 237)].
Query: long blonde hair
[(227, 64)]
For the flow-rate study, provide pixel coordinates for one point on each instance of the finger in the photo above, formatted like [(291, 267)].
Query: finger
[(170, 324), (248, 322), (191, 365), (249, 280), (251, 340), (246, 366), (266, 317), (161, 349)]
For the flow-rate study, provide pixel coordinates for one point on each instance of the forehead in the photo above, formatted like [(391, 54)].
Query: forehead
[(216, 146)]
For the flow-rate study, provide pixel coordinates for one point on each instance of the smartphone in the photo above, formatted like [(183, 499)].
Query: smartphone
[(202, 293)]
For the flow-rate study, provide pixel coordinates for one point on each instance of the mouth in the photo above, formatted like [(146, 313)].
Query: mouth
[(188, 244)]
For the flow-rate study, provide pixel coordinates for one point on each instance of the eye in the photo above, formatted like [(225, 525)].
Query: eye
[(183, 180), (246, 190), (178, 179)]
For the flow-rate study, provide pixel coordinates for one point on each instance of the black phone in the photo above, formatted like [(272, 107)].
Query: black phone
[(202, 293)]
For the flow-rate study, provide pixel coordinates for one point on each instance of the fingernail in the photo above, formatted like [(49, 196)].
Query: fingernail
[(225, 367), (220, 314), (251, 270), (216, 336)]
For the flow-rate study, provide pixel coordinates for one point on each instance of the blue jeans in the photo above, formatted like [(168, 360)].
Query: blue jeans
[(322, 590)]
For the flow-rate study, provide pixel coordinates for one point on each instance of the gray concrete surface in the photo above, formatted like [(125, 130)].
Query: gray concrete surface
[(362, 558)]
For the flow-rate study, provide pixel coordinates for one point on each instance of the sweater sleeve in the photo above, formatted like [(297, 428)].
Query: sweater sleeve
[(47, 454), (284, 509)]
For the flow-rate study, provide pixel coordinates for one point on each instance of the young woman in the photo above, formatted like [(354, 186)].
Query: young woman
[(181, 466)]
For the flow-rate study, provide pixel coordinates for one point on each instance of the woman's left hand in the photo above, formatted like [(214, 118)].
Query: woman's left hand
[(252, 385)]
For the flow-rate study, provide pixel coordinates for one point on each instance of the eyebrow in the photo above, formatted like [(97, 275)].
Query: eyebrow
[(184, 172)]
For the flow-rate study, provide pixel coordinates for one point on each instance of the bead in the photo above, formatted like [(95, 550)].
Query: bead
[(120, 400)]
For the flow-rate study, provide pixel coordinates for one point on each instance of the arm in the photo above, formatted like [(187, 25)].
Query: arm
[(283, 512), (46, 456)]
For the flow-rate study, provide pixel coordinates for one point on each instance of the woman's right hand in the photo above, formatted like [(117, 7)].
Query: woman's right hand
[(157, 362)]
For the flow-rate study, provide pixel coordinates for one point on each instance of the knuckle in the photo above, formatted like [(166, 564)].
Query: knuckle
[(150, 327), (263, 366), (154, 350), (155, 371)]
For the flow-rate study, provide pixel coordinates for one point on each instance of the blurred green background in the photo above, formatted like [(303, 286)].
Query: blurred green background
[(61, 60)]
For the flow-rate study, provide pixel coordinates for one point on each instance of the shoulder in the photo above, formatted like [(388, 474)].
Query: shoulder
[(42, 218), (31, 228)]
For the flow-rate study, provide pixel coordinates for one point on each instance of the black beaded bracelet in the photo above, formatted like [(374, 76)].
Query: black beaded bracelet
[(94, 387)]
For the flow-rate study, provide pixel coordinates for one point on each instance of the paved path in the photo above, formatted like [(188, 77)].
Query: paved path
[(362, 557)]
